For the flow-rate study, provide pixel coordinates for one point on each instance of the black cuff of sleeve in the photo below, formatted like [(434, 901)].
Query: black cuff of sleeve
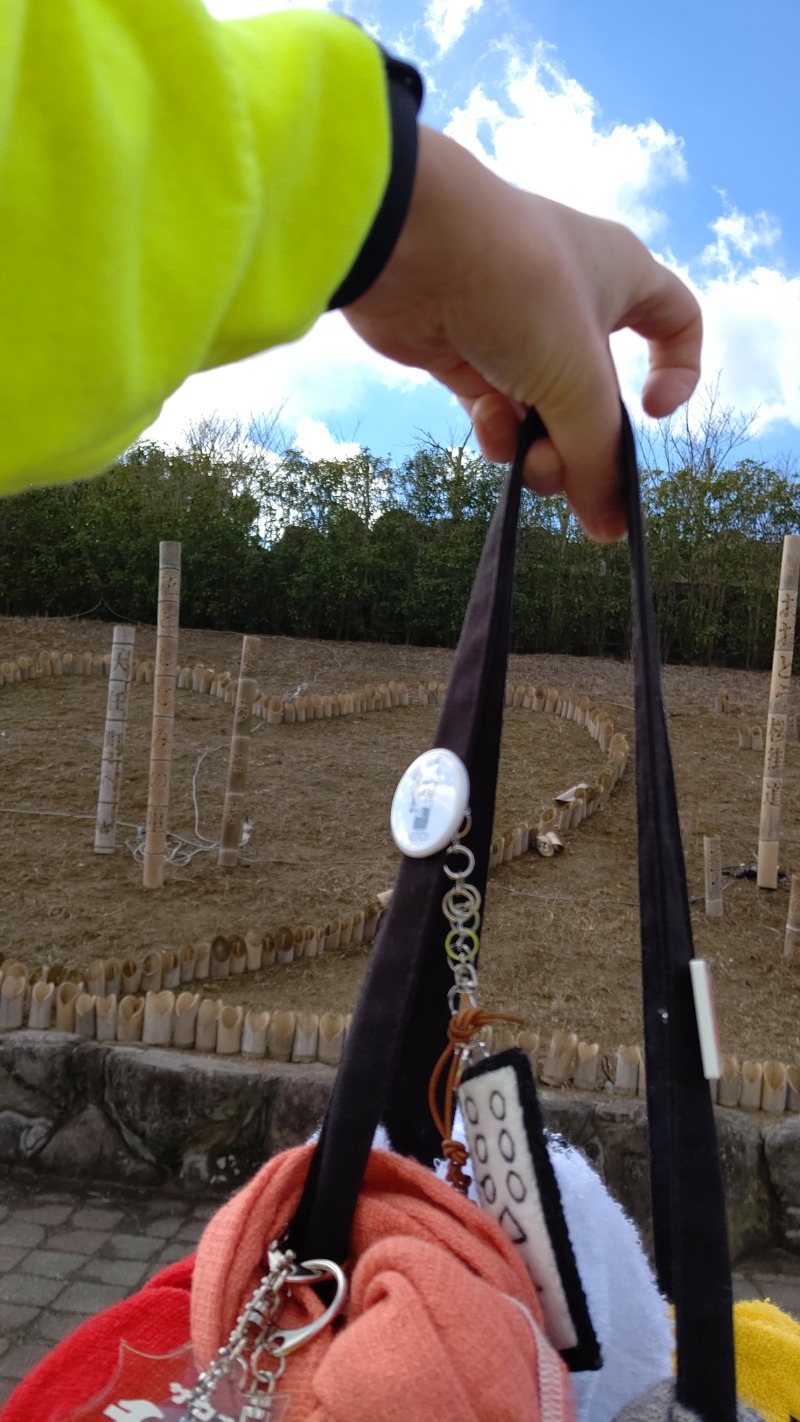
[(405, 98)]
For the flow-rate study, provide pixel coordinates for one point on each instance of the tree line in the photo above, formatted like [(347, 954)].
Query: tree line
[(363, 549)]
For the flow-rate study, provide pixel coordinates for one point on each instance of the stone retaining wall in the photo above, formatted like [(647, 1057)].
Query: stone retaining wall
[(105, 1112)]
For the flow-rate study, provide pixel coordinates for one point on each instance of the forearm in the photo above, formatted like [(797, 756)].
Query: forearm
[(174, 193)]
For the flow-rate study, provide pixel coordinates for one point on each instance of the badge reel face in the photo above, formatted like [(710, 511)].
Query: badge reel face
[(429, 803)]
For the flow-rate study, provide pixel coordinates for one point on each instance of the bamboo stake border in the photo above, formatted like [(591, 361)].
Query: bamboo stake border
[(617, 1068), (185, 1021)]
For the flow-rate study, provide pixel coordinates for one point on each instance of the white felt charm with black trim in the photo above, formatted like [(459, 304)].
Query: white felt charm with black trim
[(517, 1186)]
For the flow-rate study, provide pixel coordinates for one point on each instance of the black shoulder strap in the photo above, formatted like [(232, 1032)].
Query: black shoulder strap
[(400, 1024), (689, 1223)]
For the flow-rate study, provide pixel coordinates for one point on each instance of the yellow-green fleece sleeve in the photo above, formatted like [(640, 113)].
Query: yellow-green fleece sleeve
[(175, 192)]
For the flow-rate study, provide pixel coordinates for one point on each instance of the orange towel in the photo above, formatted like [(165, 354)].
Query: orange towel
[(442, 1319)]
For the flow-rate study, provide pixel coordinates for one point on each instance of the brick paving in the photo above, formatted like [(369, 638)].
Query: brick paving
[(66, 1252)]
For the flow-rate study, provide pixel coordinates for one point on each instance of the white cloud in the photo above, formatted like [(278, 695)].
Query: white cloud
[(329, 374), (446, 20), (740, 236), (316, 441), (547, 135)]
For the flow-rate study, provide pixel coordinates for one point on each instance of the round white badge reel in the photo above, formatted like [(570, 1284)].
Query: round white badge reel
[(429, 803)]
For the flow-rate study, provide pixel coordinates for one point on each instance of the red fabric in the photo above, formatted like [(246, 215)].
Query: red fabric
[(154, 1320), (433, 1329), (442, 1318)]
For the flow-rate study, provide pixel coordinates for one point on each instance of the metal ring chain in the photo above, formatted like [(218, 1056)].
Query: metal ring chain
[(461, 907), (250, 1335), (258, 1346)]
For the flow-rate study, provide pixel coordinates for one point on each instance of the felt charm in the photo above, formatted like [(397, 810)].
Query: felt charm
[(518, 1188)]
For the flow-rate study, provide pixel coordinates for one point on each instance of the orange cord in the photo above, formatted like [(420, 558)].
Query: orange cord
[(461, 1029)]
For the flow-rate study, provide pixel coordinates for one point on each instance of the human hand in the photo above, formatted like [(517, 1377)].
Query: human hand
[(509, 299)]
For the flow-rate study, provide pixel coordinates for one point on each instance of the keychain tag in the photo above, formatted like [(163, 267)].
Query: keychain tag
[(518, 1187), (149, 1388)]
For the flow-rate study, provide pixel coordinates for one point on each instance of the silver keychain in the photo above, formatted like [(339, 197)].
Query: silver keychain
[(258, 1347)]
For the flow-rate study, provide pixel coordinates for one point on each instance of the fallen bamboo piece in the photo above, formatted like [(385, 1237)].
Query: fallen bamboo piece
[(119, 687), (712, 861), (166, 667), (777, 720)]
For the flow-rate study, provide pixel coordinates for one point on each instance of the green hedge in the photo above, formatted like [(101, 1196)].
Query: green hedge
[(362, 550)]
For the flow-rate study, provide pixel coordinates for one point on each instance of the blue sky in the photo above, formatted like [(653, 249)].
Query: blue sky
[(682, 121)]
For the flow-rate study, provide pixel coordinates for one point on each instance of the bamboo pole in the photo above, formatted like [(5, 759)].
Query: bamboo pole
[(712, 858), (772, 787), (119, 691), (233, 812), (164, 679)]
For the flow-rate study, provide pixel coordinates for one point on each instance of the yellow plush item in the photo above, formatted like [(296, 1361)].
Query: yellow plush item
[(175, 192), (767, 1360)]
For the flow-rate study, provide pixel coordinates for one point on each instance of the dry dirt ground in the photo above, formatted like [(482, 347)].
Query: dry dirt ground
[(561, 935)]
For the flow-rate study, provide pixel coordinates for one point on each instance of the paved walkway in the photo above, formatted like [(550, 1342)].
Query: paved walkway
[(66, 1253)]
